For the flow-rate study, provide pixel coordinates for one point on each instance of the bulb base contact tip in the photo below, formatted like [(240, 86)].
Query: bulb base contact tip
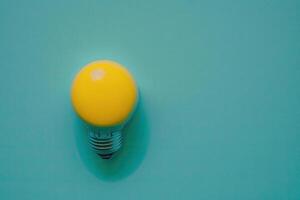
[(105, 143), (105, 157)]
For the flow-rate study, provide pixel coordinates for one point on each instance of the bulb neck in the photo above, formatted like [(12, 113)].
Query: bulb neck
[(105, 142)]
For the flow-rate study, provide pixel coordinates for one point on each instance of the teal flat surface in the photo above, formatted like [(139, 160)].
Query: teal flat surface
[(219, 116)]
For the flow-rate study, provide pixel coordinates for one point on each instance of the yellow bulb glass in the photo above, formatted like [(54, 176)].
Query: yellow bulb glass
[(104, 93)]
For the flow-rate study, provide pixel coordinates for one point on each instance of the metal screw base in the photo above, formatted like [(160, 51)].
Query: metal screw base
[(105, 142)]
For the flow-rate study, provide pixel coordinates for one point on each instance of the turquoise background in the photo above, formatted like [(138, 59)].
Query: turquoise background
[(219, 116)]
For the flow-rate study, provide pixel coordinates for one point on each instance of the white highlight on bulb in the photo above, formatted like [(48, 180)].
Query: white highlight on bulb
[(97, 74)]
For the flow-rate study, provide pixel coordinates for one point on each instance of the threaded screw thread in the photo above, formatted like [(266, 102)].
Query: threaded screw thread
[(105, 142)]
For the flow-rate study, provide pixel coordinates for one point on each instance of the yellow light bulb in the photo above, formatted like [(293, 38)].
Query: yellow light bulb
[(104, 95)]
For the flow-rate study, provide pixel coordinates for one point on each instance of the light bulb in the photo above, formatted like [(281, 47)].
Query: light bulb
[(104, 95)]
